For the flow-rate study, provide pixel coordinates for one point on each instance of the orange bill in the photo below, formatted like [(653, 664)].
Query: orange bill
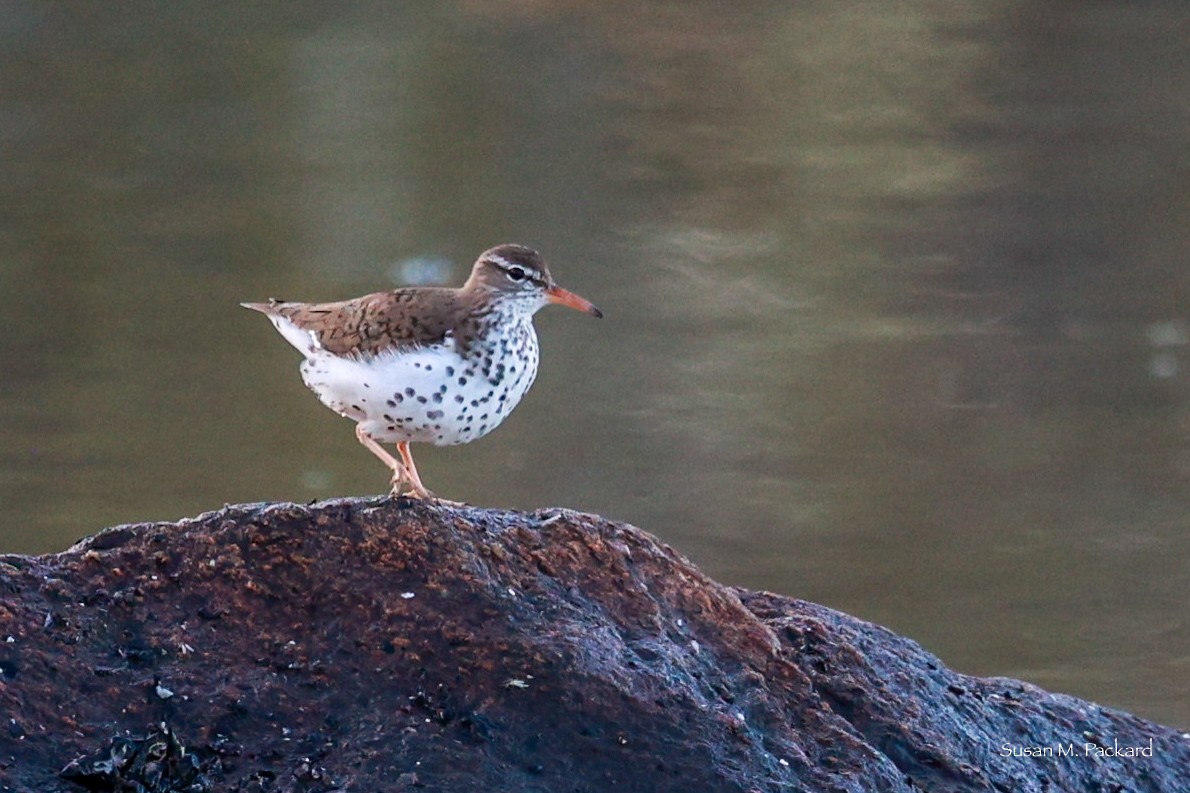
[(557, 294)]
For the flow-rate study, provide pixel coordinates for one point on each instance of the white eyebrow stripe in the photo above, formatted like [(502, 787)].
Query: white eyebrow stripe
[(532, 272)]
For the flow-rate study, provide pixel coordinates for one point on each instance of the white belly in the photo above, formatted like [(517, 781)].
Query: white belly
[(430, 395)]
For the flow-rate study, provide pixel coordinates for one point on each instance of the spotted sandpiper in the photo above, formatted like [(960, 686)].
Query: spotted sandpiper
[(426, 364)]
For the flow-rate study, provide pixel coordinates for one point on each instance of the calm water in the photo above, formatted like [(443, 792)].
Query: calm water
[(896, 293)]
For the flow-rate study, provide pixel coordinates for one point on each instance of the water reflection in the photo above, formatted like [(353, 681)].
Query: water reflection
[(895, 294)]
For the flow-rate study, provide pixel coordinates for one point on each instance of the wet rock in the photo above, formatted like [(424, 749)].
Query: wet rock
[(389, 645)]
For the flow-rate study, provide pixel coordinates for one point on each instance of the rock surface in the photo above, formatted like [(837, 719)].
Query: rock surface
[(387, 645)]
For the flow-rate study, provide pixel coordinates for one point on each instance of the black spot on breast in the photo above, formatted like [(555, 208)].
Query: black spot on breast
[(437, 397), (450, 371), (388, 418), (462, 381), (459, 398), (434, 414), (409, 392), (391, 403), (422, 400)]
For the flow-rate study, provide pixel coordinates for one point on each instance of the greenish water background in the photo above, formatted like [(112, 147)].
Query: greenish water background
[(896, 292)]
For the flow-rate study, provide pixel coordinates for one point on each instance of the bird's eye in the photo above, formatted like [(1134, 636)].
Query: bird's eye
[(516, 273)]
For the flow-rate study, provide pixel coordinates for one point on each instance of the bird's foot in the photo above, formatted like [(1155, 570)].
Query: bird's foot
[(426, 496), (400, 481), (397, 481)]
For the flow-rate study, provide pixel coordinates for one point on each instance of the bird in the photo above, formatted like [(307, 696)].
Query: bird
[(426, 364)]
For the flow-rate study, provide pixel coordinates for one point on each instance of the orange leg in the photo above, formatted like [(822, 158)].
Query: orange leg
[(419, 489), (399, 472)]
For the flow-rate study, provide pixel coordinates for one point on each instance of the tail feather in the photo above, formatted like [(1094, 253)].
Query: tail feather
[(265, 308), (304, 340)]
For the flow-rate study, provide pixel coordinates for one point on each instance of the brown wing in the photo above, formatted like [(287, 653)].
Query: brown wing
[(367, 325)]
